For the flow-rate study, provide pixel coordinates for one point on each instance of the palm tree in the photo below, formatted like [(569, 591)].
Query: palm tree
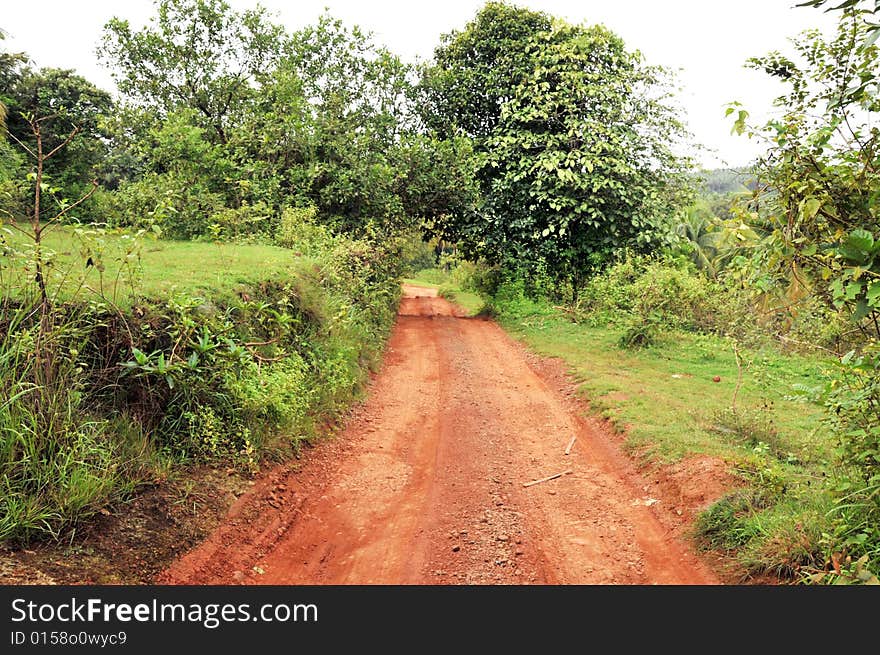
[(697, 231)]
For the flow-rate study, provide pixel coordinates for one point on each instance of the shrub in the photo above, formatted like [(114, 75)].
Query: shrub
[(166, 204), (299, 231), (228, 224)]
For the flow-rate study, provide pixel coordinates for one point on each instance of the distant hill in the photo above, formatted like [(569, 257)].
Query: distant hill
[(727, 180)]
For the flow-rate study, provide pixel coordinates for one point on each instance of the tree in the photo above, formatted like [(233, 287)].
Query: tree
[(197, 54), (820, 179), (580, 162), (476, 70), (63, 102)]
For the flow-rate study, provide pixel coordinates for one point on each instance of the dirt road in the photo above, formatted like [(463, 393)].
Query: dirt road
[(426, 483)]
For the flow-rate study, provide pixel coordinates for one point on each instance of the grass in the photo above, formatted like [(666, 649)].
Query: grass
[(155, 268)]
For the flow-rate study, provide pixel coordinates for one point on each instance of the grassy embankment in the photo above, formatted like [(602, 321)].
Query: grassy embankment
[(158, 355)]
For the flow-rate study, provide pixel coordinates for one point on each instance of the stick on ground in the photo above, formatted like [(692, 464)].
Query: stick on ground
[(570, 444), (549, 477)]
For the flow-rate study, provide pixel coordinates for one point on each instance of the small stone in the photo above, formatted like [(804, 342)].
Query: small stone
[(502, 537), (520, 552), (456, 548), (238, 576)]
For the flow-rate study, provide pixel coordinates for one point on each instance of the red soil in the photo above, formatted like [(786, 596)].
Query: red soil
[(425, 484)]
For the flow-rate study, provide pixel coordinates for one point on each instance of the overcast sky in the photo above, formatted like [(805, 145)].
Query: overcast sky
[(707, 41)]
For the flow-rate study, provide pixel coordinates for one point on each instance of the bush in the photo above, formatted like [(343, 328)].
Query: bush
[(675, 298), (246, 221), (298, 230), (168, 205)]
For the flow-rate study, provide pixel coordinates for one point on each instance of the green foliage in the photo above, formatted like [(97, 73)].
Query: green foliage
[(245, 373), (58, 462), (464, 90), (195, 54), (232, 120), (63, 102), (166, 205), (298, 230), (648, 295), (573, 149), (818, 205), (819, 179)]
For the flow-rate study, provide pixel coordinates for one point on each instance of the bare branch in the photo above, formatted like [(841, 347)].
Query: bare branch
[(64, 143), (19, 142), (82, 199)]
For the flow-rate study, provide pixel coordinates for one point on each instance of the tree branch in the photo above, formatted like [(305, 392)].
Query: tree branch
[(62, 144)]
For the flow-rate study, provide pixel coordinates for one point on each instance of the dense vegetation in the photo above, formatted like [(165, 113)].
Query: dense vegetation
[(204, 267)]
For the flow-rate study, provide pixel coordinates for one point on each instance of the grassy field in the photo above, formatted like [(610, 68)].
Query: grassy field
[(155, 268), (666, 400)]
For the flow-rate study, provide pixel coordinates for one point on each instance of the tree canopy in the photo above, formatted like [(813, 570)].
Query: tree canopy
[(574, 148)]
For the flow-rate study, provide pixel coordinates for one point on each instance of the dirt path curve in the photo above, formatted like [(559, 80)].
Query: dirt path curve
[(425, 484)]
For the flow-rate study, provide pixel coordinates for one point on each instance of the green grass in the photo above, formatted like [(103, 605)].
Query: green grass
[(666, 396), (155, 268)]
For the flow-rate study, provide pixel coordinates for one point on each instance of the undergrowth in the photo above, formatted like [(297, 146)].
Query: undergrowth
[(99, 399)]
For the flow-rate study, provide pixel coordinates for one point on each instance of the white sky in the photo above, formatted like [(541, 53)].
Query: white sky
[(707, 41)]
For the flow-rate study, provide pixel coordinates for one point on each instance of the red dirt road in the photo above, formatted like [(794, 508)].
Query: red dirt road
[(425, 484)]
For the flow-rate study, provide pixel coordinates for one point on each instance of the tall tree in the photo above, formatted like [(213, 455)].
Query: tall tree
[(196, 54), (476, 70), (579, 162)]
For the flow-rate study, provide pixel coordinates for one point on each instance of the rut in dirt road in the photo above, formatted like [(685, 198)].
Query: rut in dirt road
[(425, 484)]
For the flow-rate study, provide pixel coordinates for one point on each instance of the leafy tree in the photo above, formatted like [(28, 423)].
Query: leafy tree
[(819, 193), (63, 102), (476, 70), (579, 164), (196, 54), (819, 180)]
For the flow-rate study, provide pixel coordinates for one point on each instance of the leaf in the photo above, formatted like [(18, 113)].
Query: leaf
[(852, 290), (858, 246), (139, 356), (873, 294), (810, 208), (861, 239)]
